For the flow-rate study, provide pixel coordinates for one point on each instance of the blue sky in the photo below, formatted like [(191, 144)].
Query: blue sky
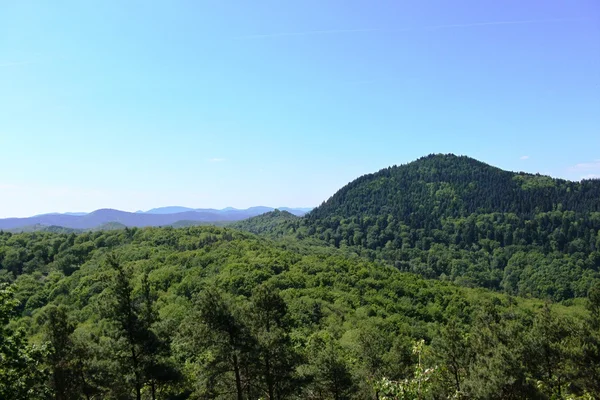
[(139, 104)]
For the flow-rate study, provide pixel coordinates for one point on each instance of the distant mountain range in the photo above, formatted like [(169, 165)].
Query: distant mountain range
[(155, 217), (229, 210)]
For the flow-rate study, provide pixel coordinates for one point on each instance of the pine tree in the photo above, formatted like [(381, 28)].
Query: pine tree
[(277, 357)]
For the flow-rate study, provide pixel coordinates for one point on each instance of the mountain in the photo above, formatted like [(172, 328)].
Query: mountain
[(155, 217), (459, 219), (104, 216), (168, 210), (442, 186)]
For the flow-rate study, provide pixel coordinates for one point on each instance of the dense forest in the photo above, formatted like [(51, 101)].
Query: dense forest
[(210, 312), (443, 278), (458, 219)]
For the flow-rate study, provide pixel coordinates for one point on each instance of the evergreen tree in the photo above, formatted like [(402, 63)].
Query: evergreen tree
[(134, 316), (227, 341), (65, 380), (277, 358)]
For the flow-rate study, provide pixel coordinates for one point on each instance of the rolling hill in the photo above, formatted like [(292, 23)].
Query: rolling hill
[(155, 217)]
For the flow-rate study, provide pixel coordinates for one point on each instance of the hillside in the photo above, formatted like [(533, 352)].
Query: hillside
[(456, 218), (449, 186), (274, 223), (176, 312)]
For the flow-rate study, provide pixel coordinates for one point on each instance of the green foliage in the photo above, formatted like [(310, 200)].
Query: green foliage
[(457, 219), (416, 387), (21, 372), (206, 312), (275, 223)]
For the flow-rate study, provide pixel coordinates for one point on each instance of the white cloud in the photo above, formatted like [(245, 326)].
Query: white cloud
[(524, 157), (217, 159), (588, 166)]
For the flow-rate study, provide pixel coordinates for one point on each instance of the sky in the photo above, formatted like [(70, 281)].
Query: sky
[(215, 103)]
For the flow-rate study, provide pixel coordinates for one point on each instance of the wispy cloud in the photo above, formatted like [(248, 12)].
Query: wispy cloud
[(6, 186), (423, 28), (524, 157), (15, 64), (585, 167), (216, 160)]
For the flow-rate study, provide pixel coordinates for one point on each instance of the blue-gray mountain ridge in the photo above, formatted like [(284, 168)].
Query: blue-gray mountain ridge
[(155, 217)]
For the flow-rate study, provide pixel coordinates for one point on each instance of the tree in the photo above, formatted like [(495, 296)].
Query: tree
[(548, 352), (156, 350), (416, 387), (65, 381), (134, 316), (22, 376), (329, 370), (277, 357), (452, 351), (226, 341), (497, 370)]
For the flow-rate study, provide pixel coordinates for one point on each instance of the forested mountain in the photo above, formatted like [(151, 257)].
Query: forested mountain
[(458, 219), (448, 186), (214, 313)]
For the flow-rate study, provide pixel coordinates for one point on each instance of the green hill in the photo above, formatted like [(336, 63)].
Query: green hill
[(275, 224), (458, 219), (448, 186)]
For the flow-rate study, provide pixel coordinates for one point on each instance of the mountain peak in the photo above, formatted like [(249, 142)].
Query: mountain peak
[(446, 185)]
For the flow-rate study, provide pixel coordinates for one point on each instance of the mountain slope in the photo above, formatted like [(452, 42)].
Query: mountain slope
[(458, 219), (274, 223), (453, 186)]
